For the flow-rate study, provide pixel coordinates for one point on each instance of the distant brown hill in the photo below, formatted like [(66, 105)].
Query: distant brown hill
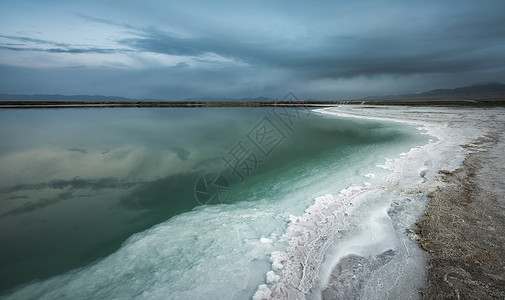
[(491, 90), (6, 97), (474, 92), (87, 98)]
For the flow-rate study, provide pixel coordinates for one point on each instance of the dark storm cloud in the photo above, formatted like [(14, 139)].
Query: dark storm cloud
[(157, 194), (162, 193), (32, 40), (42, 203), (448, 46), (104, 21), (58, 47), (83, 151), (321, 48), (75, 183), (66, 50)]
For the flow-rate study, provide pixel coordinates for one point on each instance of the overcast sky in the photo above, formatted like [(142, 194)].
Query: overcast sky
[(181, 49)]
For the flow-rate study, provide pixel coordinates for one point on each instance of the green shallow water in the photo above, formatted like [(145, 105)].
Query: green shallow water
[(75, 184)]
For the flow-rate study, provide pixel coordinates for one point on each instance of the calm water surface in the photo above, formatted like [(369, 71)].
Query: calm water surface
[(76, 183)]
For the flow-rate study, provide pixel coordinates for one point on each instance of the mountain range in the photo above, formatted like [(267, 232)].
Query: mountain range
[(489, 90), (481, 91)]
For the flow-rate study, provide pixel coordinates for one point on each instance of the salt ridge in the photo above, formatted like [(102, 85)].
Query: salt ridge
[(300, 269)]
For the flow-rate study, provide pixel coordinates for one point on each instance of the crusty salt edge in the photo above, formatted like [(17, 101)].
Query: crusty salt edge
[(310, 235), (298, 267)]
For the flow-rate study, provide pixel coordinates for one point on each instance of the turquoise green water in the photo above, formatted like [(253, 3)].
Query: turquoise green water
[(75, 184)]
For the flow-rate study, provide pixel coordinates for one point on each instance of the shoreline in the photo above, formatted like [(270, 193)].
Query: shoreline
[(461, 230), (323, 262), (458, 165), (463, 227), (288, 102)]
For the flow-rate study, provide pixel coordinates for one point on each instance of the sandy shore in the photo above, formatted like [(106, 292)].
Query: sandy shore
[(463, 227)]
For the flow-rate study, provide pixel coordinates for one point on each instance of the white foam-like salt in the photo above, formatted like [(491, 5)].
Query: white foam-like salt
[(183, 258), (265, 240), (278, 258), (263, 292), (272, 277), (318, 239)]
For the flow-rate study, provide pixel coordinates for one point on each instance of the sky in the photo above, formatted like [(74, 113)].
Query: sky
[(329, 50)]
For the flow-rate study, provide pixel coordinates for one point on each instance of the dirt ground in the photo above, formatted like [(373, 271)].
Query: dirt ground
[(463, 228)]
